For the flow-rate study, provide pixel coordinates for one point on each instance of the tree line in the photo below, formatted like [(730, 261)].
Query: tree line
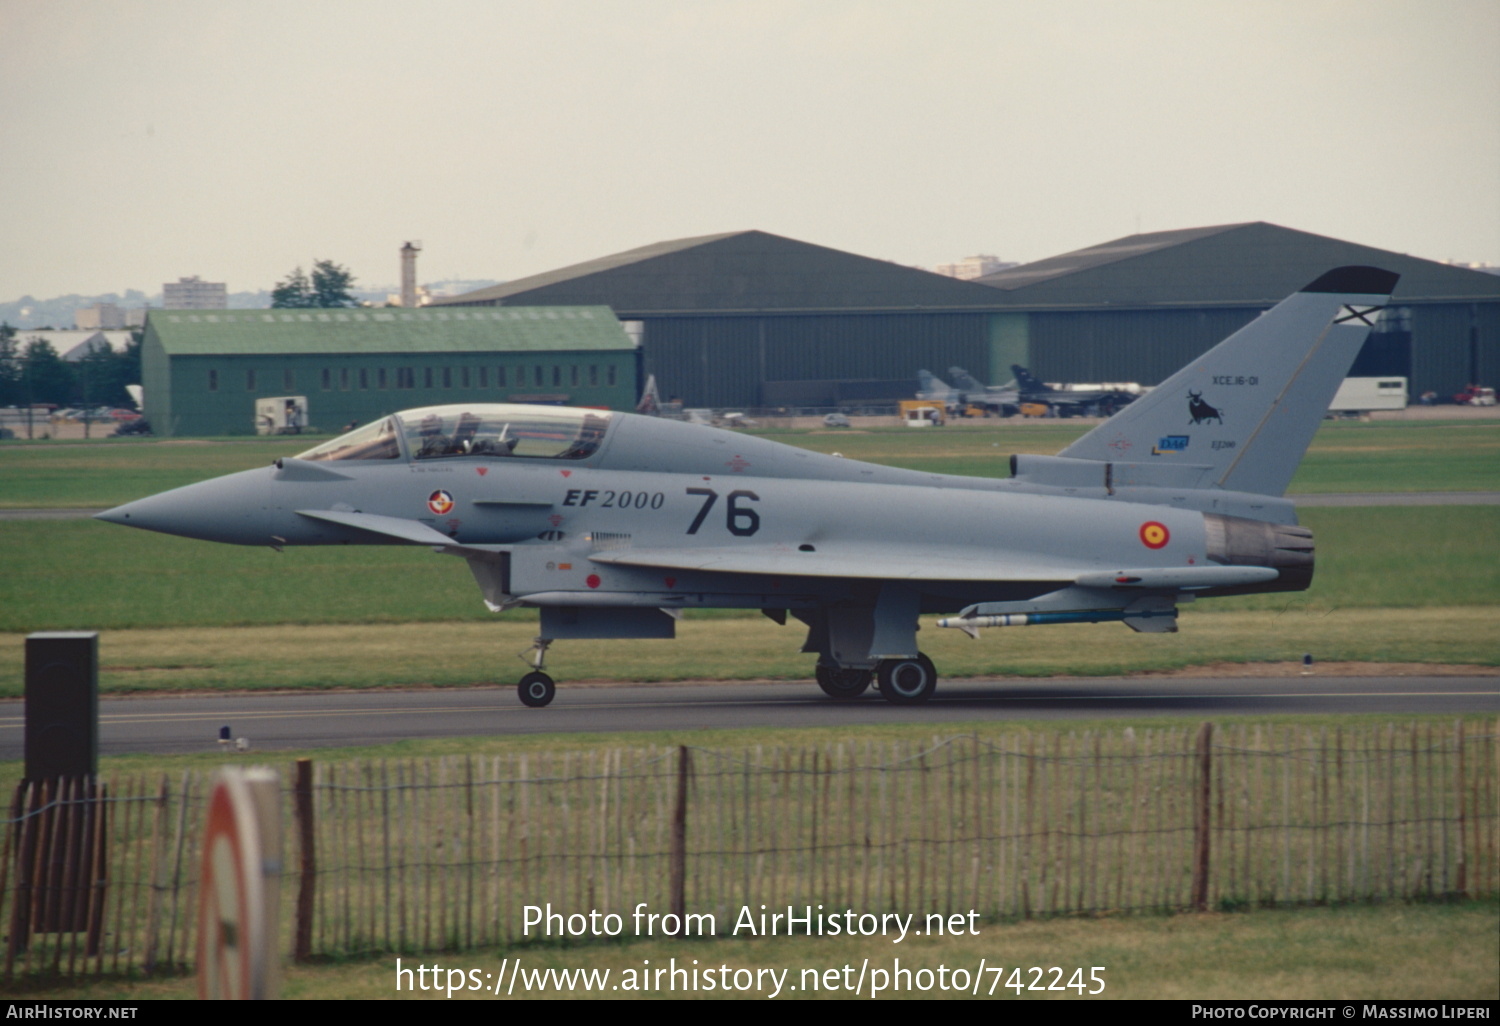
[(32, 372), (327, 287)]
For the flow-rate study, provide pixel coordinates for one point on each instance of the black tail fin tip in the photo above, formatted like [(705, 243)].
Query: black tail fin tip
[(1366, 281)]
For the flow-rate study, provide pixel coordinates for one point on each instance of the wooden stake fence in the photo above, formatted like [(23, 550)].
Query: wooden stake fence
[(443, 854)]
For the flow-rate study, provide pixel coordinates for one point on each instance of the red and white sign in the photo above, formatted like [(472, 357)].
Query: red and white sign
[(237, 905)]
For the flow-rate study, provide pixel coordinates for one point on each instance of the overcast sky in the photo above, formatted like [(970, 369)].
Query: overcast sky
[(235, 139)]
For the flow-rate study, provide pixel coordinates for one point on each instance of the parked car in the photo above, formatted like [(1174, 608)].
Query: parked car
[(835, 420)]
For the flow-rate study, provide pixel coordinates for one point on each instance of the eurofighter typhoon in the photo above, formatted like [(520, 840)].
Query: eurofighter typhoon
[(611, 524)]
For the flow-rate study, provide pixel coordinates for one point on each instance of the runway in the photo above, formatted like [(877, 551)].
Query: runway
[(166, 725)]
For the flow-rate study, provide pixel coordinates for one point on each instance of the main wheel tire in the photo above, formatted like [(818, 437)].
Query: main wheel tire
[(907, 681), (843, 682), (536, 690)]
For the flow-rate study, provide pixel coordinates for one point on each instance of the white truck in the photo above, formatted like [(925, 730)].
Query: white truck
[(281, 415), (1361, 395)]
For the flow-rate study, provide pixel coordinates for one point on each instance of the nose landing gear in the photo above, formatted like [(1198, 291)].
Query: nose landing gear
[(536, 689)]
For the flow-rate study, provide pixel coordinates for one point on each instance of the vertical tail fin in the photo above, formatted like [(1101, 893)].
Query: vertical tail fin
[(930, 382), (964, 380), (1248, 408), (1026, 380)]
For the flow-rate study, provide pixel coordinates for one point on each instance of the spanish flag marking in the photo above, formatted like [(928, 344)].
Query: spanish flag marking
[(1154, 535)]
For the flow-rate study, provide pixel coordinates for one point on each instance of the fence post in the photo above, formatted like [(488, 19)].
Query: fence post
[(679, 838), (16, 842), (157, 884), (1201, 818), (307, 881), (1461, 884)]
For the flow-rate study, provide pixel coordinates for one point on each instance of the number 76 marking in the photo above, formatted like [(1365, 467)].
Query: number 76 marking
[(740, 521)]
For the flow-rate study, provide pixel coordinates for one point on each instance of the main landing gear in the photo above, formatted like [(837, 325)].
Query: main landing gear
[(842, 682), (536, 689), (907, 681), (901, 681)]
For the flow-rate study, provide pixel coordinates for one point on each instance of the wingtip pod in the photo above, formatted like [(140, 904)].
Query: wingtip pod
[(1364, 281)]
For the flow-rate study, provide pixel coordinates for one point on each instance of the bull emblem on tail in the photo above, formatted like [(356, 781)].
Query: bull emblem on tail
[(1200, 411)]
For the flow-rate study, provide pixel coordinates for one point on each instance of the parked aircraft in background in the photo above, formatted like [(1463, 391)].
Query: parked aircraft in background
[(611, 524), (1075, 400), (1001, 400), (958, 399), (933, 389)]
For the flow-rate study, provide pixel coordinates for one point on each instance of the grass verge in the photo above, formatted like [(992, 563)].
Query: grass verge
[(89, 575), (1344, 457), (749, 648)]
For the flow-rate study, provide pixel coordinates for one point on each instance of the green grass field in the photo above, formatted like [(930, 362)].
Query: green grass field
[(1344, 457), (68, 575)]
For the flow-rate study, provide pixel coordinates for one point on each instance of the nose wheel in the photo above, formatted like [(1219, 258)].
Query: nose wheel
[(536, 689)]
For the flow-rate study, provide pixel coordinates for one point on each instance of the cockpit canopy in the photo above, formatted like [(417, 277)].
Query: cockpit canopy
[(486, 430)]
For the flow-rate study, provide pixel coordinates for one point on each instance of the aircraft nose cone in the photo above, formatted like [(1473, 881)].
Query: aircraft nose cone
[(170, 512), (227, 509), (118, 515)]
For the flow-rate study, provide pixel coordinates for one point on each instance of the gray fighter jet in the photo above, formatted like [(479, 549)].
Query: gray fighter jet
[(613, 523), (1002, 400)]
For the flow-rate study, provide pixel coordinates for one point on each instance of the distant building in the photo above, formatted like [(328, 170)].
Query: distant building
[(750, 320), (1137, 308), (100, 316), (195, 294), (73, 346), (204, 372), (973, 267), (409, 274), (1486, 268)]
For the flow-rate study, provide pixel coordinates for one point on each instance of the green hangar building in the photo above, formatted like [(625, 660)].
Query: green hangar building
[(203, 371)]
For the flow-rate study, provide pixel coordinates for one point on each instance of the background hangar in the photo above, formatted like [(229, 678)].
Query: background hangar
[(1140, 307), (750, 319), (204, 370), (753, 320)]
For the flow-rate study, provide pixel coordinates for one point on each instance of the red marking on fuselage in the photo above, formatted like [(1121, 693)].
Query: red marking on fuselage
[(1154, 534)]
